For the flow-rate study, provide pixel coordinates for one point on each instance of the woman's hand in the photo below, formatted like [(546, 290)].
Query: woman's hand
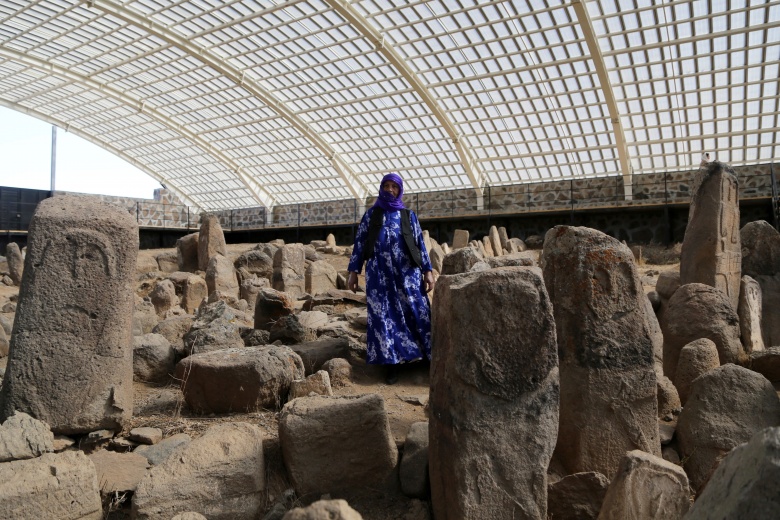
[(429, 281), (352, 282)]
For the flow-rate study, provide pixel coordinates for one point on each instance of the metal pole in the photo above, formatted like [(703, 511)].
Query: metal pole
[(53, 158), (775, 208)]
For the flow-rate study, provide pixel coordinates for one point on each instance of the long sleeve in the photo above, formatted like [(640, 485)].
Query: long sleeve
[(418, 237), (356, 260)]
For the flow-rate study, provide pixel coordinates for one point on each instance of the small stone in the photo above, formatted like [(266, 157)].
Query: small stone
[(667, 433), (62, 442), (146, 435)]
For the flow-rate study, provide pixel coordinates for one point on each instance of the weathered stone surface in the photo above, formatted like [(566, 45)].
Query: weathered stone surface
[(460, 239), (338, 445), (668, 397), (250, 289), (221, 276), (414, 463), (187, 253), (7, 323), (271, 305), (118, 472), (725, 408), (711, 251), (243, 379), (760, 249), (157, 453), (146, 435), (173, 329), (168, 262), (330, 240), (211, 240), (61, 485), (461, 260), (515, 245), (153, 358), (696, 358), (608, 381), (646, 487), (189, 515), (320, 277), (290, 331), (256, 262), (700, 311), (290, 270), (744, 487), (324, 510), (494, 395), (216, 327), (668, 282), (220, 474), (75, 310), (15, 262), (749, 312), (770, 303), (488, 247), (22, 437), (514, 259), (495, 241), (436, 255), (357, 317), (144, 318), (339, 370), (191, 288), (164, 297), (318, 383), (4, 343), (767, 363), (577, 497)]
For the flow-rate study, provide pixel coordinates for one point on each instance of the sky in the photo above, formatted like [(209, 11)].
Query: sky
[(25, 161)]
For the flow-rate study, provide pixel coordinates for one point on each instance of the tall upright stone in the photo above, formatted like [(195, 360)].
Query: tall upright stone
[(71, 359), (760, 249), (495, 241), (211, 240), (15, 262), (221, 276), (605, 345), (711, 251), (187, 252), (460, 238), (494, 395), (749, 312), (290, 270)]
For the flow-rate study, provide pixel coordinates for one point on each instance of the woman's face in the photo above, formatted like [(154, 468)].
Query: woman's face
[(391, 187)]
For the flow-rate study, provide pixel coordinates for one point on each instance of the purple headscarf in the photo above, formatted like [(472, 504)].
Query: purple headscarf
[(386, 201)]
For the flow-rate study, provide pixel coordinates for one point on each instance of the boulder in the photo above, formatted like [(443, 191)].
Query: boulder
[(770, 303), (290, 270), (216, 327), (700, 311), (146, 435), (711, 250), (189, 515), (725, 408), (696, 358), (577, 496), (164, 297), (219, 474), (339, 370), (668, 397), (495, 241), (461, 260), (320, 277), (157, 453), (494, 395), (153, 358), (191, 288), (173, 329), (75, 311), (414, 463), (144, 318), (744, 487), (668, 282), (317, 383), (515, 245), (187, 253), (324, 510), (460, 239), (250, 289), (221, 276), (436, 255), (271, 305), (118, 472), (55, 485), (13, 257), (338, 445), (646, 487), (514, 259), (606, 346), (290, 331), (22, 437), (767, 363), (168, 262), (255, 337), (257, 263), (211, 240), (243, 379), (749, 312), (760, 249)]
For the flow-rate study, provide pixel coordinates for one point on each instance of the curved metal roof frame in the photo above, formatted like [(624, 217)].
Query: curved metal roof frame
[(235, 103)]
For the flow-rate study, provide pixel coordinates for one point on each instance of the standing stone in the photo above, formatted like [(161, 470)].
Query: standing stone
[(770, 303), (645, 488), (725, 408), (577, 497), (15, 262), (270, 306), (250, 289), (749, 312), (605, 343), (320, 277), (256, 262), (330, 240), (495, 241), (760, 249), (744, 487), (211, 240), (71, 357), (414, 464), (461, 260), (503, 236), (696, 358), (187, 253), (167, 262), (488, 247), (426, 239), (164, 297), (437, 257), (711, 251), (193, 291), (494, 395), (290, 270), (460, 239), (221, 276)]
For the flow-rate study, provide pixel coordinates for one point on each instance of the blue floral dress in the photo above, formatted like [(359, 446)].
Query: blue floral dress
[(399, 314)]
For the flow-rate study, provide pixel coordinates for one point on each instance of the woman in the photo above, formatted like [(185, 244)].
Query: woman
[(398, 276)]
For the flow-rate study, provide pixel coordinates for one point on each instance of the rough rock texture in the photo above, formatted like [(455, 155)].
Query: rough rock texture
[(461, 260), (270, 306), (460, 239), (250, 289), (144, 318), (320, 277), (238, 379), (75, 310), (211, 240), (216, 327), (164, 297), (696, 358), (324, 510), (749, 312), (15, 262), (146, 435), (414, 463), (577, 497), (494, 395), (173, 329), (61, 486), (290, 331), (4, 343), (192, 289), (726, 407), (157, 453), (220, 474), (187, 253), (711, 251), (118, 472), (605, 344), (318, 383), (256, 262), (437, 255), (767, 363), (189, 515), (668, 397), (514, 259), (770, 303), (168, 262), (338, 445), (700, 311), (495, 241), (153, 358), (221, 276), (22, 437), (646, 487), (339, 370), (290, 270), (744, 487), (760, 249)]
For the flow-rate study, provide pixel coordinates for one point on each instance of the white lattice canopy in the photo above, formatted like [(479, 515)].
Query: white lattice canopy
[(251, 102)]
